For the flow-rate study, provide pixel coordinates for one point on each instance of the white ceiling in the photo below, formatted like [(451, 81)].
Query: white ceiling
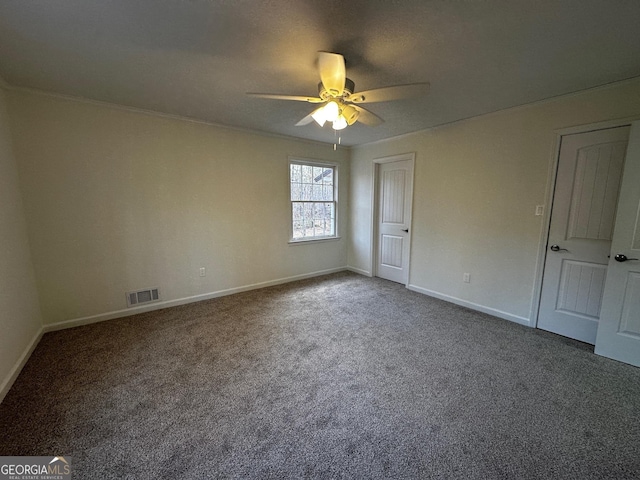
[(197, 58)]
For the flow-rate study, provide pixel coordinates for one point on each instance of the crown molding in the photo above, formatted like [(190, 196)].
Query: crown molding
[(516, 108), (154, 113)]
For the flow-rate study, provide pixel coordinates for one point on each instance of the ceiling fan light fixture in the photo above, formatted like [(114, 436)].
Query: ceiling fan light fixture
[(331, 111), (340, 123), (320, 116), (350, 114)]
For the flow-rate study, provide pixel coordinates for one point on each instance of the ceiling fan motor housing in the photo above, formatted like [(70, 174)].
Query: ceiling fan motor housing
[(349, 87)]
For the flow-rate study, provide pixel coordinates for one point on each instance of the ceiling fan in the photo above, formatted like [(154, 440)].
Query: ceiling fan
[(340, 104)]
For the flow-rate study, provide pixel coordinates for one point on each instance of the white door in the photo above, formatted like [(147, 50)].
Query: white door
[(619, 329), (394, 192), (582, 219)]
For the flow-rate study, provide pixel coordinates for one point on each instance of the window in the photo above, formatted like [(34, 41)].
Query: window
[(313, 200)]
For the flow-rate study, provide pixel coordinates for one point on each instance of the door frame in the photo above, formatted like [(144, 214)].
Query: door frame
[(411, 157), (549, 194)]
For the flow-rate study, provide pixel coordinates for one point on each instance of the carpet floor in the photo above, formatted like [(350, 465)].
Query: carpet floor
[(340, 376)]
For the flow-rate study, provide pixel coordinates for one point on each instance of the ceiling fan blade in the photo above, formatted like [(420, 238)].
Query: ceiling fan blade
[(297, 98), (332, 72), (306, 120), (386, 94), (309, 118), (367, 117)]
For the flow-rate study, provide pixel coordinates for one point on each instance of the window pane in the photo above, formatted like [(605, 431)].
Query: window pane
[(328, 178), (318, 223), (329, 218), (308, 220), (307, 173), (295, 191), (317, 192), (296, 175), (307, 192), (298, 219), (317, 174)]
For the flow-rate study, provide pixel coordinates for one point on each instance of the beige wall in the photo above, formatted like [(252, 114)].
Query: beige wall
[(477, 183), (118, 200), (20, 320)]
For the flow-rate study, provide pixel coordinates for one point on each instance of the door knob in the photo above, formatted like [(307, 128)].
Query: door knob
[(621, 257), (556, 248), (405, 230)]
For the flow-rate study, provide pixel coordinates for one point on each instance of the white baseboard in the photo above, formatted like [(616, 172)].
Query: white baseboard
[(7, 383), (472, 306), (359, 271), (76, 322)]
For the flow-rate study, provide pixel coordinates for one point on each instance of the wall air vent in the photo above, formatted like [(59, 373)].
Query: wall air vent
[(147, 295)]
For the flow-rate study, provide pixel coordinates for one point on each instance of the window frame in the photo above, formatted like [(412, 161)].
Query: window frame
[(313, 163)]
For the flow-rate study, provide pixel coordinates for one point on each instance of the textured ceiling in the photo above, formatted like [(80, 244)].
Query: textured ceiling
[(197, 59)]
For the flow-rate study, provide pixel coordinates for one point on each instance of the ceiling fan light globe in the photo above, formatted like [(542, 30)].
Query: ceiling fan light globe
[(340, 123), (331, 111), (319, 116), (350, 114)]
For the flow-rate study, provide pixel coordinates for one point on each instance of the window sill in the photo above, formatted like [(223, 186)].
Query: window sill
[(313, 240)]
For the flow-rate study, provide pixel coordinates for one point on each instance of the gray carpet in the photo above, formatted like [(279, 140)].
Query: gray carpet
[(341, 376)]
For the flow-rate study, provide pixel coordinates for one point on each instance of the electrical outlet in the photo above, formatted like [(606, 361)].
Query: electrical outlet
[(203, 272), (539, 210), (466, 277)]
